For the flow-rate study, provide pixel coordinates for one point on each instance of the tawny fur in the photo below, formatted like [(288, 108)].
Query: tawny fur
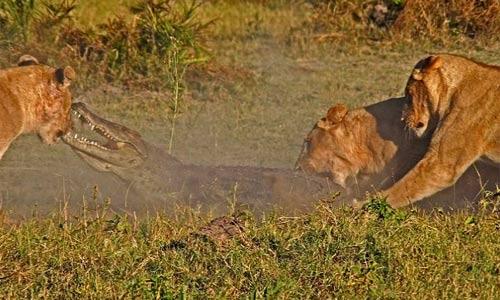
[(34, 98), (360, 143), (455, 101)]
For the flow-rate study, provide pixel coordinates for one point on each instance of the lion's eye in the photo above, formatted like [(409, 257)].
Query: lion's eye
[(420, 125)]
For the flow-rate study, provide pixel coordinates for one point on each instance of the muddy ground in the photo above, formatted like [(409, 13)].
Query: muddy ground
[(255, 109)]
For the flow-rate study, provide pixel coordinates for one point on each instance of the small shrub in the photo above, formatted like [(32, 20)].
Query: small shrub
[(382, 209), (24, 20), (160, 37), (16, 17)]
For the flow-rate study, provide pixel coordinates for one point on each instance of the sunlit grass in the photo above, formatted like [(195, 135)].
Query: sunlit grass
[(93, 12), (328, 253)]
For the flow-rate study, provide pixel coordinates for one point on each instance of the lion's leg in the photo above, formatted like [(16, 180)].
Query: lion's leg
[(5, 142), (427, 178), (3, 149), (449, 155), (11, 126)]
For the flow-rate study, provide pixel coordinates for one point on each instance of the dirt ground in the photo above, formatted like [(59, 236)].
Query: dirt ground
[(255, 114)]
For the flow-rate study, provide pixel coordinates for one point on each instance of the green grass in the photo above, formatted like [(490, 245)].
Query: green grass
[(327, 253), (93, 12)]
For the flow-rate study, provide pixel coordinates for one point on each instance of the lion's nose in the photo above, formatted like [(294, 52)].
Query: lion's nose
[(59, 133)]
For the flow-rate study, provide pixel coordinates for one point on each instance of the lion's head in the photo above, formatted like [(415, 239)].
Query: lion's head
[(423, 91), (54, 112), (50, 114), (324, 148), (342, 144)]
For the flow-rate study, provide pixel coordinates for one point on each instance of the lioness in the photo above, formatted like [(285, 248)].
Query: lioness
[(34, 98), (368, 148), (363, 143), (455, 101)]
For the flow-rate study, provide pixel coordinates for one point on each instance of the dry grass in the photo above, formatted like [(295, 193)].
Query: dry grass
[(457, 19), (410, 21)]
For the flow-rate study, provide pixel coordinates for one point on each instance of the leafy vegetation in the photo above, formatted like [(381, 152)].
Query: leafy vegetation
[(25, 20), (160, 34), (142, 46)]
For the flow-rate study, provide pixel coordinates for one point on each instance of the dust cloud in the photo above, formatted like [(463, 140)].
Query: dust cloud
[(258, 121), (38, 180)]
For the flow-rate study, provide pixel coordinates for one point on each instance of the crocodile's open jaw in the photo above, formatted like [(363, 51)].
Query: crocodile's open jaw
[(121, 148)]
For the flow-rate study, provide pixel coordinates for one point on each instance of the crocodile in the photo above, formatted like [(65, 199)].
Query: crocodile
[(162, 179), (164, 182)]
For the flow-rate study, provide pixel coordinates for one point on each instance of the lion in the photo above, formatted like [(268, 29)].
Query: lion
[(367, 143), (34, 98), (454, 101), (368, 149)]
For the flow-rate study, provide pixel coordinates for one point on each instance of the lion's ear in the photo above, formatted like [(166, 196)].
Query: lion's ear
[(334, 116), (65, 76), (27, 60), (336, 113), (425, 66), (435, 63)]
